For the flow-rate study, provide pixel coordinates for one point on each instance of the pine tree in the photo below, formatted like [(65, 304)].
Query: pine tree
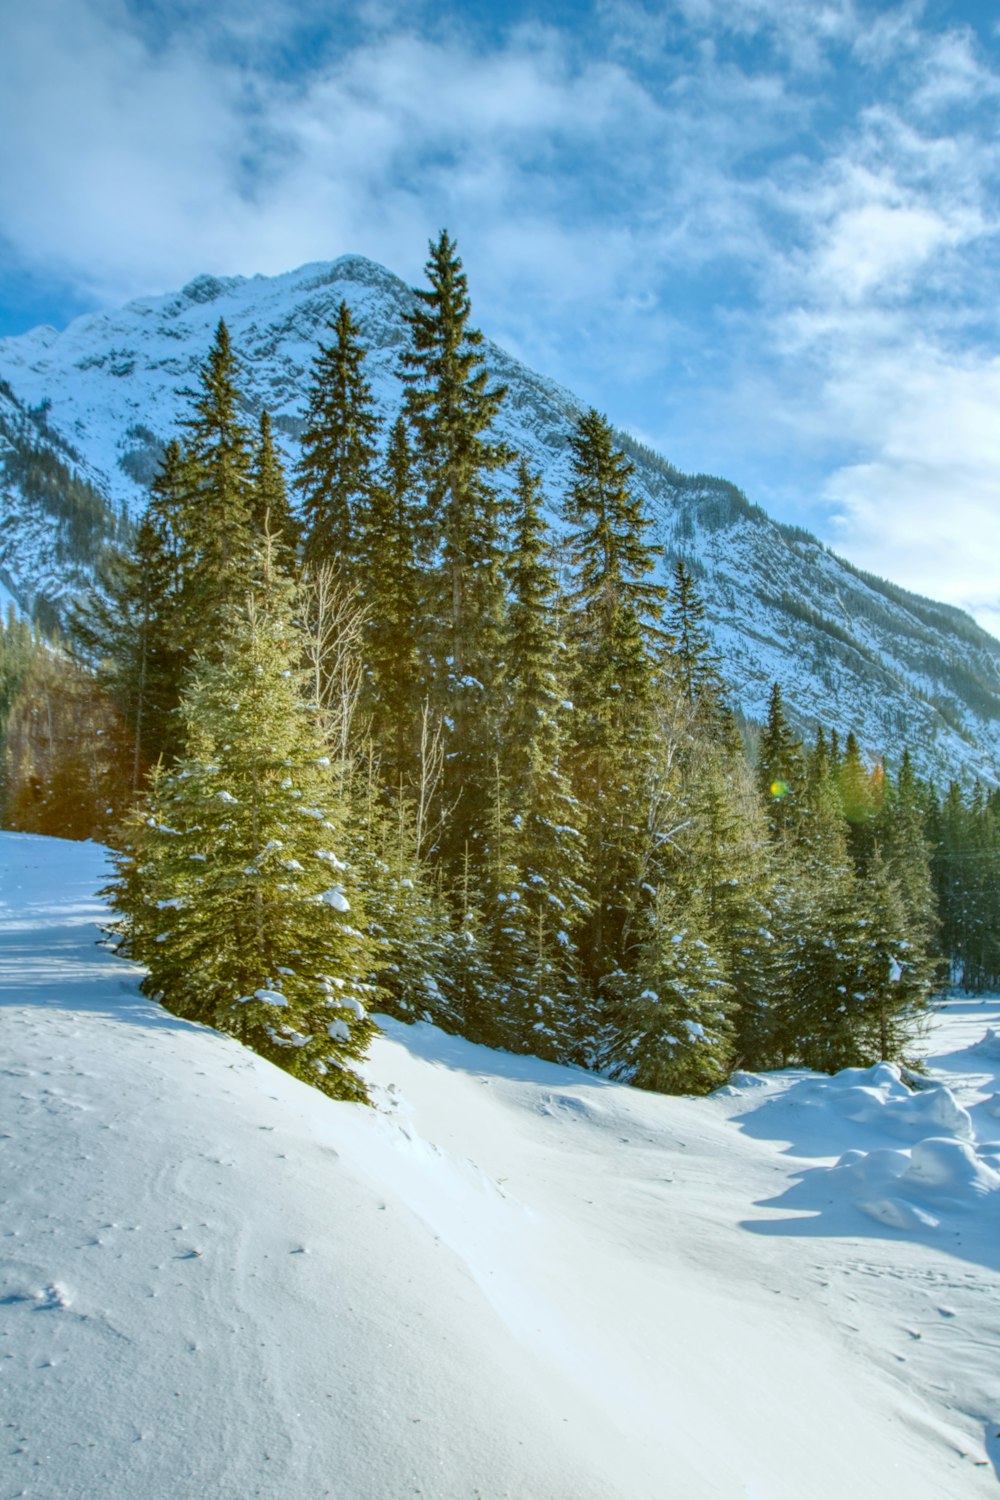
[(216, 527), (967, 877), (541, 859), (18, 646), (232, 885), (115, 629), (733, 873), (907, 852), (694, 664), (66, 762), (894, 981), (391, 585), (672, 1008), (615, 613), (336, 470), (451, 407), (270, 513), (816, 1015), (859, 801), (780, 768), (408, 921)]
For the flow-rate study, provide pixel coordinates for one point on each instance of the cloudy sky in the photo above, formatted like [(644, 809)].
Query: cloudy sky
[(762, 235)]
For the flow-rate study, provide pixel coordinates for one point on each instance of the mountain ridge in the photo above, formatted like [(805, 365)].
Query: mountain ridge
[(96, 401)]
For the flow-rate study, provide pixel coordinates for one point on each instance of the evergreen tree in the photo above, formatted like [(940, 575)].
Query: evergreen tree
[(820, 1011), (66, 762), (123, 628), (231, 882), (615, 613), (966, 872), (859, 801), (894, 980), (672, 1008), (733, 875), (907, 852), (216, 526), (451, 407), (694, 664), (391, 583), (18, 646), (780, 769), (131, 629), (336, 470), (270, 513), (541, 859)]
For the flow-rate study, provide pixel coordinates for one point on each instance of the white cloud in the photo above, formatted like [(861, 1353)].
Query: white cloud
[(923, 507), (691, 212)]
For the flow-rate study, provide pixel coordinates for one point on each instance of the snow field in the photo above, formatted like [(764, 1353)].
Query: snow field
[(508, 1279)]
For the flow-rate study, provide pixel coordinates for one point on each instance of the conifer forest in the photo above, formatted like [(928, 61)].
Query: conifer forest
[(374, 736)]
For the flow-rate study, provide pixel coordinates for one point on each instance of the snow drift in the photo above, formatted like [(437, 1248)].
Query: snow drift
[(508, 1279)]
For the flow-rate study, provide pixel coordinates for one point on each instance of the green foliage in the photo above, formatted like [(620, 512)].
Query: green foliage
[(450, 407), (537, 858), (270, 514), (66, 756), (780, 768), (672, 1009), (491, 785), (232, 882), (216, 522), (18, 646), (965, 867), (391, 587), (336, 470), (614, 614)]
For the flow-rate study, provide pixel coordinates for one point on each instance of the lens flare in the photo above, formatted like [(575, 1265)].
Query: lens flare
[(779, 789)]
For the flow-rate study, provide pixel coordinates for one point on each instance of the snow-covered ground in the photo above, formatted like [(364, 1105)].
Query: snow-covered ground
[(507, 1280)]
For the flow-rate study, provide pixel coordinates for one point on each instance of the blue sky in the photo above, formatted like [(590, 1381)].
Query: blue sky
[(760, 234)]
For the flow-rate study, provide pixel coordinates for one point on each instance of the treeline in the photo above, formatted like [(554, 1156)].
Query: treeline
[(64, 749), (393, 744)]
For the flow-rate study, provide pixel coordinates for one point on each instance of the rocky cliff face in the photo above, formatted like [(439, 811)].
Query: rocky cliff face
[(84, 413)]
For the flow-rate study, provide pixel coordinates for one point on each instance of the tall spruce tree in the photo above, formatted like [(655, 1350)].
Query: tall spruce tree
[(859, 799), (615, 610), (671, 1010), (780, 767), (216, 525), (820, 1013), (451, 407), (121, 629), (131, 631), (540, 862), (232, 884), (391, 582), (337, 466), (270, 513), (696, 665), (733, 871)]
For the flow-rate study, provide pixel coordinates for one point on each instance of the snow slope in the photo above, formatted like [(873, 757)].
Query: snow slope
[(507, 1280)]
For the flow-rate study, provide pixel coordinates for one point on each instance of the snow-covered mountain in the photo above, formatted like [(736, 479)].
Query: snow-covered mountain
[(509, 1279), (89, 408)]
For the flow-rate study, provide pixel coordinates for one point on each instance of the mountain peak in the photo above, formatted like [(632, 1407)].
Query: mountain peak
[(850, 651)]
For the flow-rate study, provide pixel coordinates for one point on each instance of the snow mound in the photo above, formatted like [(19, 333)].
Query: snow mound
[(741, 1080), (913, 1189), (988, 1045), (878, 1097)]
